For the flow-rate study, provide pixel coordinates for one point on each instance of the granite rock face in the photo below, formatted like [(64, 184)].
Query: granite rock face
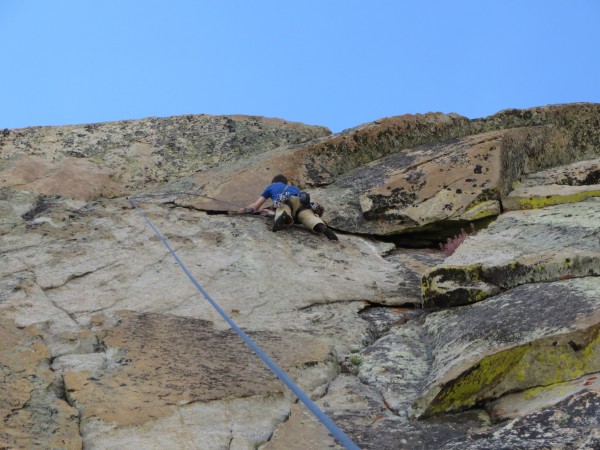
[(531, 246), (134, 344), (581, 173), (153, 366), (517, 340), (33, 406), (119, 158), (415, 173), (571, 423), (105, 343)]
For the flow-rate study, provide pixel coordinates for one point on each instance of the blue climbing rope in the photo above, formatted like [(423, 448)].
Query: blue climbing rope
[(335, 431)]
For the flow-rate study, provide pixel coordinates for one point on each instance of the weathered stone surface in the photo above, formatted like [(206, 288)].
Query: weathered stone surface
[(377, 403), (429, 189), (457, 180), (33, 409), (581, 173), (224, 250), (188, 364), (413, 173), (547, 195), (155, 363), (518, 404), (383, 319), (531, 246), (71, 266), (359, 409), (578, 123), (369, 142), (321, 162), (233, 423), (570, 130), (533, 335), (134, 357), (118, 158), (572, 423), (398, 384), (301, 431)]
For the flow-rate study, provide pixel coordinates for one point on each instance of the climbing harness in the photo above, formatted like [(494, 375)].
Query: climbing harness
[(335, 431), (304, 198), (282, 198)]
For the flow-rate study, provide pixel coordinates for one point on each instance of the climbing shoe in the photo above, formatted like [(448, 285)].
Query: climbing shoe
[(281, 221), (321, 228), (330, 234)]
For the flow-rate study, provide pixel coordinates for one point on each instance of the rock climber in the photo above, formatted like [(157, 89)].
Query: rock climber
[(292, 205)]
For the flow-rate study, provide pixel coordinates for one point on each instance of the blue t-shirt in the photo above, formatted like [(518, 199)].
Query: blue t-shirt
[(273, 191)]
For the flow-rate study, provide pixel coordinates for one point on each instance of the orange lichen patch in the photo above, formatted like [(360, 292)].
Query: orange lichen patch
[(474, 165), (25, 170), (72, 177), (30, 415), (375, 140), (231, 188)]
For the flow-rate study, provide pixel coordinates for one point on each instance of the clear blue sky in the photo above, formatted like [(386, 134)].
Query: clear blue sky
[(337, 63)]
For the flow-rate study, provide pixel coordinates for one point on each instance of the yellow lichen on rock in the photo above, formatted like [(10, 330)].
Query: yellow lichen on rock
[(542, 196), (466, 390), (541, 363)]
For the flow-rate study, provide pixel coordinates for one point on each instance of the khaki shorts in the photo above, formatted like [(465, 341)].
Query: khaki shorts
[(306, 217)]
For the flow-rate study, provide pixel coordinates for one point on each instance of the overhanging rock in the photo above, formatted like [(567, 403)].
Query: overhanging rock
[(533, 335), (549, 244)]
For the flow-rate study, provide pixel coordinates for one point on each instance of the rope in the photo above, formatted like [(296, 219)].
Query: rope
[(335, 431)]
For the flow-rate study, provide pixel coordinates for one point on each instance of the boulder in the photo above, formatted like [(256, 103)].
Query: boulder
[(420, 187), (456, 181)]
